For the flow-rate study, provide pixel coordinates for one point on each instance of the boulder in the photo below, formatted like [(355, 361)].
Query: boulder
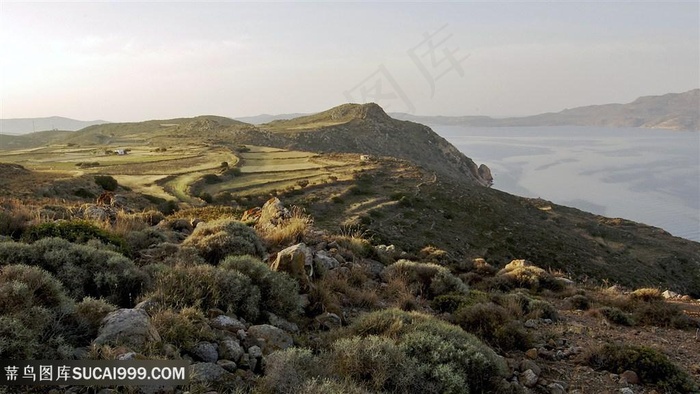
[(282, 323), (668, 294), (274, 338), (226, 323), (130, 327), (528, 378), (205, 351), (206, 372), (485, 174), (297, 261), (96, 213), (273, 214), (230, 349), (228, 365), (326, 262), (630, 377)]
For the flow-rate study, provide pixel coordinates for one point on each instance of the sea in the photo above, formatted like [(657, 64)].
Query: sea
[(645, 175)]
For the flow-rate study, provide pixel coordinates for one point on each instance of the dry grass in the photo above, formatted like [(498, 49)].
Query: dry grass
[(291, 231)]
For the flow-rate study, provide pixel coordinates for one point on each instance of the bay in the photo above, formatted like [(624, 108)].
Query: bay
[(645, 175)]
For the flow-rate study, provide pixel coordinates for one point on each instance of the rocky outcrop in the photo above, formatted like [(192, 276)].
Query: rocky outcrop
[(297, 261), (131, 327), (273, 337), (485, 174)]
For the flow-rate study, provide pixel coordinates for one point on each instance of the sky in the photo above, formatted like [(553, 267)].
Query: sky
[(159, 60)]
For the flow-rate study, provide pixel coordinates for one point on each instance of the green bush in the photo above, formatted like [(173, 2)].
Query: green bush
[(184, 328), (106, 182), (521, 274), (376, 362), (206, 287), (143, 239), (211, 179), (287, 371), (279, 292), (451, 302), (453, 351), (82, 269), (580, 302), (495, 325), (427, 279), (78, 231), (617, 316), (22, 287), (220, 238), (17, 340), (328, 386), (650, 365), (91, 311)]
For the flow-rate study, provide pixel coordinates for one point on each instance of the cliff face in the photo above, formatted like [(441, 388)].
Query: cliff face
[(367, 129)]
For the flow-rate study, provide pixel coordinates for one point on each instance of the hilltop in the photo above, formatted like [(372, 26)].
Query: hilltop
[(673, 111)]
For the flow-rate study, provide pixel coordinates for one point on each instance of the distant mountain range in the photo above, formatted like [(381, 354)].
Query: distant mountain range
[(20, 126), (673, 111)]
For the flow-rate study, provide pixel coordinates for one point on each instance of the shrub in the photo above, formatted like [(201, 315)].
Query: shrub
[(451, 350), (290, 230), (521, 273), (580, 302), (144, 239), (223, 237), (430, 280), (106, 182), (17, 340), (617, 316), (82, 269), (183, 329), (286, 371), (662, 314), (211, 179), (651, 366), (328, 386), (91, 311), (23, 287), (451, 302), (215, 287), (375, 361), (278, 290), (493, 324), (647, 294), (79, 231)]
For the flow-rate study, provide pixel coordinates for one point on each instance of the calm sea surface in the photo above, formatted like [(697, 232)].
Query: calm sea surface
[(649, 176)]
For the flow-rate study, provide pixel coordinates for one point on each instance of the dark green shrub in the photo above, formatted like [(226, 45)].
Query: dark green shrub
[(617, 316), (328, 386), (580, 302), (211, 179), (427, 279), (17, 340), (493, 324), (22, 287), (215, 287), (376, 362), (106, 182), (83, 270), (288, 370), (168, 207), (662, 314), (279, 291), (83, 193), (451, 302), (143, 239), (337, 200), (90, 312), (79, 231), (184, 328), (452, 350), (650, 365), (223, 237)]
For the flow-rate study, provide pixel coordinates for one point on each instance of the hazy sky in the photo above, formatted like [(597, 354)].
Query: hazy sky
[(138, 61)]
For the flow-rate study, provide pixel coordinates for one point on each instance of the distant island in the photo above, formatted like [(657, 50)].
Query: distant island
[(673, 111)]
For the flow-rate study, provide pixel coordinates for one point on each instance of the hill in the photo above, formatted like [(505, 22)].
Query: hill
[(20, 126), (673, 111), (274, 259)]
